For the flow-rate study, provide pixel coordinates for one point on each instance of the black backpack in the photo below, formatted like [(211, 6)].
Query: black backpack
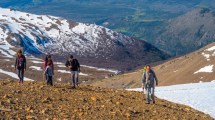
[(74, 63), (21, 62)]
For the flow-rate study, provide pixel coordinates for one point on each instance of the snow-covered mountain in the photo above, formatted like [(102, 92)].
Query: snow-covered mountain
[(40, 34)]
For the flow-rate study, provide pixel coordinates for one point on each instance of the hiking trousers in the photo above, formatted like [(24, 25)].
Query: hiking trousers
[(150, 89), (20, 73), (74, 76), (49, 80)]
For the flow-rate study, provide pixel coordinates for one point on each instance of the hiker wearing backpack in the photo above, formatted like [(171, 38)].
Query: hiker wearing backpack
[(20, 65), (149, 80), (49, 73), (48, 59), (74, 67)]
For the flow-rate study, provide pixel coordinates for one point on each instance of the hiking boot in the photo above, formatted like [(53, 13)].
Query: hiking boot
[(147, 102)]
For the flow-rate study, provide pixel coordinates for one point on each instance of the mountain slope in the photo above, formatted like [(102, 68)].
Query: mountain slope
[(188, 32), (92, 44), (62, 102), (195, 67)]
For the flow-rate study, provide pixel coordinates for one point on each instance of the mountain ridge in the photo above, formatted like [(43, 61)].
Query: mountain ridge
[(41, 34), (188, 32)]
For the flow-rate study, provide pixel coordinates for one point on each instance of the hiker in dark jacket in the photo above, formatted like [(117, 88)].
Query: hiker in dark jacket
[(49, 73), (74, 67), (20, 65), (148, 82)]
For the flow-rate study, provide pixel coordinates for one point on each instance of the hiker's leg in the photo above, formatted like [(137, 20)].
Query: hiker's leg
[(51, 81), (153, 94), (47, 79), (73, 78), (147, 94), (76, 78), (22, 75), (150, 92), (18, 74)]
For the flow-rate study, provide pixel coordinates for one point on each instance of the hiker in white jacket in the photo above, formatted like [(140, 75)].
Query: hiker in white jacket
[(148, 82)]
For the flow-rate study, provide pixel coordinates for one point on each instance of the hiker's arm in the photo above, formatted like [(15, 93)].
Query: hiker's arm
[(156, 79), (15, 64), (143, 80), (45, 71), (53, 67), (25, 62), (79, 67), (67, 63)]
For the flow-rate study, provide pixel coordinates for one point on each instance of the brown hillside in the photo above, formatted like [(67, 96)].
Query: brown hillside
[(176, 71)]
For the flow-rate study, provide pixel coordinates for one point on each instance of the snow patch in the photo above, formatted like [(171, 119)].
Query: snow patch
[(211, 49), (7, 60), (102, 69), (13, 75), (64, 71), (59, 79), (207, 69), (35, 68), (213, 81), (207, 56), (37, 62), (5, 50), (62, 66), (58, 63), (199, 96), (83, 74)]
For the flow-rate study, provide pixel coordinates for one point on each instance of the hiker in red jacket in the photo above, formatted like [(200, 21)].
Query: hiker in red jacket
[(47, 60), (20, 65)]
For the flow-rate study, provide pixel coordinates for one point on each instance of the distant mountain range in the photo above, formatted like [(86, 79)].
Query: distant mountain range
[(188, 32), (144, 19), (93, 45)]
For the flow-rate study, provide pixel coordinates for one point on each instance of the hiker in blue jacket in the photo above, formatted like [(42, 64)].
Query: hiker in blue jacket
[(148, 82), (20, 65)]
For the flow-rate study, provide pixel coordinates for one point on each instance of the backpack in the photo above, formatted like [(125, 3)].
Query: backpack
[(21, 62), (74, 63), (149, 82), (144, 69)]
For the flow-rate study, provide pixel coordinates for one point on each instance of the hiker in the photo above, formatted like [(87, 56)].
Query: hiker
[(74, 67), (49, 73), (48, 58), (20, 65), (148, 83)]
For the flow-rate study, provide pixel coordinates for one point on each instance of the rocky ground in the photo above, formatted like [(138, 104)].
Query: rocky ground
[(35, 100)]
